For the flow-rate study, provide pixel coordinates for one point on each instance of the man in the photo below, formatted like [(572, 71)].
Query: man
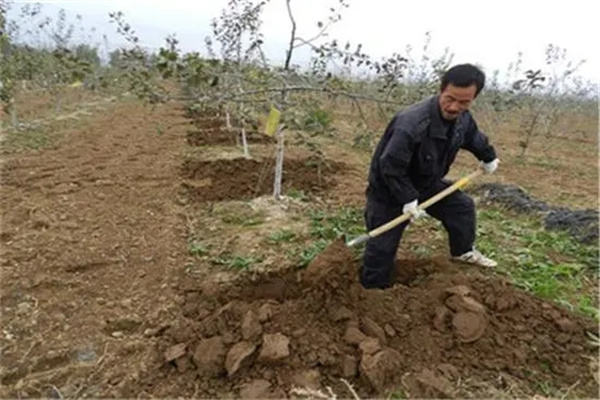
[(413, 156)]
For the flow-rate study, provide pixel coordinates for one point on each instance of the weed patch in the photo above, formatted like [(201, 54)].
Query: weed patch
[(30, 139), (550, 264)]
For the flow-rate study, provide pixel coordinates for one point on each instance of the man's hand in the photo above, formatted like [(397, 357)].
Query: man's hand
[(491, 166), (414, 210)]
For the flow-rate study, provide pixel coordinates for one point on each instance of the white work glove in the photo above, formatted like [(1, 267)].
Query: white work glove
[(491, 166), (412, 208)]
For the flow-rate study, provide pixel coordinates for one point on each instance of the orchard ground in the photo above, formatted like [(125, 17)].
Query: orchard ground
[(143, 255)]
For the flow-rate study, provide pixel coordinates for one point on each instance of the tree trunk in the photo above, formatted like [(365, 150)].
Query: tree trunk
[(245, 143), (278, 164)]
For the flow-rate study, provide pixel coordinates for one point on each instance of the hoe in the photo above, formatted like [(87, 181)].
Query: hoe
[(406, 216)]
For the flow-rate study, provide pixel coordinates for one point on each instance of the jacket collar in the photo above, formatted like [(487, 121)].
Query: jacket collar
[(438, 130)]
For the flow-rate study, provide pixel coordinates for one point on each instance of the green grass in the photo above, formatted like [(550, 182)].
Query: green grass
[(550, 264), (397, 395), (30, 139), (297, 194), (306, 254), (282, 236), (347, 221), (236, 261), (196, 248), (325, 227)]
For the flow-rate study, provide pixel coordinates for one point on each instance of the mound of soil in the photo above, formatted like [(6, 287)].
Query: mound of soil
[(265, 337), (581, 224), (242, 179), (220, 136), (210, 130)]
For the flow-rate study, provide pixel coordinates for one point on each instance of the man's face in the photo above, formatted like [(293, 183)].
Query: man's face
[(454, 100)]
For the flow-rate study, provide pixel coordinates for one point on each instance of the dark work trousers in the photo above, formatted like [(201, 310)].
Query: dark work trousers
[(456, 213)]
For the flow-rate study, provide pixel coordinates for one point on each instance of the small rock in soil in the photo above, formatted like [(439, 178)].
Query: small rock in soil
[(174, 352), (86, 355)]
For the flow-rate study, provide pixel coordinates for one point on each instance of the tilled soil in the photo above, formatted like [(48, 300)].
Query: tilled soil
[(209, 129), (438, 328), (90, 242), (93, 244), (245, 179)]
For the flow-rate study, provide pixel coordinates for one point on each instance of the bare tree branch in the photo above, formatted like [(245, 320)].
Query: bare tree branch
[(322, 32), (288, 57), (308, 89)]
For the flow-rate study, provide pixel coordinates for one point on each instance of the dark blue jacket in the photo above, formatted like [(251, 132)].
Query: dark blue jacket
[(417, 150)]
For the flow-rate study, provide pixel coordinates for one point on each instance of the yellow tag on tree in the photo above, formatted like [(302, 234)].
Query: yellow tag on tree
[(272, 121)]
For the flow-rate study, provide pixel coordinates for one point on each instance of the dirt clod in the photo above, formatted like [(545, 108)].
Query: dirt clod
[(381, 369), (459, 290), (428, 384), (209, 356), (469, 326), (448, 370), (251, 327), (275, 348), (389, 330), (265, 312), (256, 389), (354, 336), (566, 325), (369, 346), (373, 338), (174, 352), (464, 303), (349, 366), (310, 379), (441, 317), (341, 314), (371, 328), (238, 357)]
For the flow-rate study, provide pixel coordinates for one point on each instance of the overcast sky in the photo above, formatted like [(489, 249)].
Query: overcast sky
[(489, 32)]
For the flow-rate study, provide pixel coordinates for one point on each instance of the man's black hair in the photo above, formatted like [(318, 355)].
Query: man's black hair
[(464, 75)]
